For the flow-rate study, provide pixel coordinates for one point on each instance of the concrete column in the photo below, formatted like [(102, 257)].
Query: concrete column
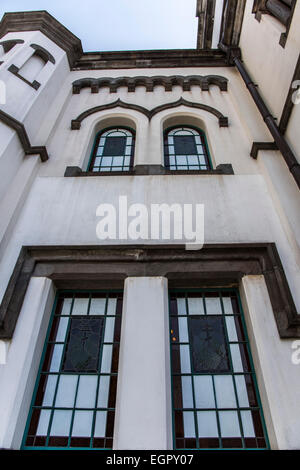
[(277, 375), (143, 407), (18, 375)]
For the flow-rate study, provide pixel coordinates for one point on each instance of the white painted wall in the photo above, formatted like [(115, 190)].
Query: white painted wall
[(278, 378), (143, 407), (41, 207), (18, 375)]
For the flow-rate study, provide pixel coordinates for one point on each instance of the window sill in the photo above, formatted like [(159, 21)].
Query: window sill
[(144, 170)]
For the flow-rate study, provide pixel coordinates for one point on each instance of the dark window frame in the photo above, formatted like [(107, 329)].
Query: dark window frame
[(90, 167), (203, 140), (254, 405), (47, 442)]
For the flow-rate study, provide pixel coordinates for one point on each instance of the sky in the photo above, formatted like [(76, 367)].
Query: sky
[(120, 24)]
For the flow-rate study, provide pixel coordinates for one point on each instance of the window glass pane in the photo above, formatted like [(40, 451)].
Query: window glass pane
[(241, 391), (100, 424), (192, 160), (83, 345), (185, 359), (106, 359), (227, 305), (231, 330), (65, 397), (111, 306), (189, 424), (204, 392), (109, 329), (117, 161), (82, 424), (229, 424), (236, 358), (183, 330), (247, 421), (127, 161), (207, 424), (225, 394), (56, 358), (62, 329), (97, 306), (103, 391), (187, 392), (86, 395), (80, 307), (213, 306), (66, 308), (106, 161), (43, 423), (195, 305), (50, 390), (61, 423), (181, 306), (208, 344), (114, 146)]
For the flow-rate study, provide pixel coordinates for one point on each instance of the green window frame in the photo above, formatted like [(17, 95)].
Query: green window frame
[(113, 150), (185, 148), (73, 404), (215, 398)]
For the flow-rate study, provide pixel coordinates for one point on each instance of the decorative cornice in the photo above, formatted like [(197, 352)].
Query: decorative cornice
[(48, 25), (76, 123), (149, 83), (23, 137), (92, 266), (175, 58)]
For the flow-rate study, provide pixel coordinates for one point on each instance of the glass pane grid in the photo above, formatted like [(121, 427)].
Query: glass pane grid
[(76, 409), (114, 151), (185, 149), (212, 409)]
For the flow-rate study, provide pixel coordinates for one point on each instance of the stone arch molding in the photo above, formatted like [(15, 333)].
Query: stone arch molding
[(223, 120), (149, 83)]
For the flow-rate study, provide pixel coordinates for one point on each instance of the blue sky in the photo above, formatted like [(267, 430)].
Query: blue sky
[(120, 24)]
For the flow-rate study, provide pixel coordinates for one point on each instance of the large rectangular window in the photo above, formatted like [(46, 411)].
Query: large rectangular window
[(74, 401), (215, 398)]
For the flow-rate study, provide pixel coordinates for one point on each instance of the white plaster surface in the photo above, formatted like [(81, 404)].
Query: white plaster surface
[(278, 377), (143, 408), (18, 374)]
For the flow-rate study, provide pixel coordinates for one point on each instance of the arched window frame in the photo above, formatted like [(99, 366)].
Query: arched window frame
[(97, 144), (202, 165)]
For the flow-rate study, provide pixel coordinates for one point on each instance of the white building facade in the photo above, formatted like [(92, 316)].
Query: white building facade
[(140, 340)]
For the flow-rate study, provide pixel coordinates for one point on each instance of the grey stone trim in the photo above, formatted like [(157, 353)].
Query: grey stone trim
[(15, 71), (144, 170), (97, 266), (10, 43), (257, 146), (149, 83), (43, 53), (23, 137), (167, 58), (76, 123), (231, 25), (48, 25)]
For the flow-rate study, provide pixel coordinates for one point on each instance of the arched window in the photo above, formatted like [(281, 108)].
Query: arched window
[(113, 150), (186, 149)]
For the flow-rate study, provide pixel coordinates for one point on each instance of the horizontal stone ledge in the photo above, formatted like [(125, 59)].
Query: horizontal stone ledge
[(144, 170)]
